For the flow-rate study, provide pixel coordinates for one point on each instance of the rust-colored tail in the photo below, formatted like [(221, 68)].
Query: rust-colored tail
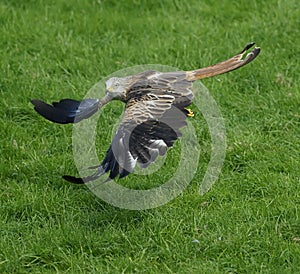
[(225, 66)]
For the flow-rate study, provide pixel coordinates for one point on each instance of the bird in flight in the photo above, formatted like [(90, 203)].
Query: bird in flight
[(156, 109)]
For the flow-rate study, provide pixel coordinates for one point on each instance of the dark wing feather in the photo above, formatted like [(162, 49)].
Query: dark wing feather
[(67, 110), (133, 140), (151, 123)]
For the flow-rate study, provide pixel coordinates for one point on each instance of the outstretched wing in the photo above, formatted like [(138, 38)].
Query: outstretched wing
[(154, 114), (233, 63), (67, 110)]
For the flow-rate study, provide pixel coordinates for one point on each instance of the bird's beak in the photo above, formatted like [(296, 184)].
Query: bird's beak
[(108, 90)]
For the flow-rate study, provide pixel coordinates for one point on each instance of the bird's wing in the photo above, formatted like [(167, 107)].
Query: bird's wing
[(67, 110), (151, 123), (172, 83), (142, 135), (233, 63)]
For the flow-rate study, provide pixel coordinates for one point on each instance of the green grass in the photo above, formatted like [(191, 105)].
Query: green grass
[(247, 223)]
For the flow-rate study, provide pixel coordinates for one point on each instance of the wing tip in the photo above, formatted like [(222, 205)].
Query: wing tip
[(248, 46), (38, 104), (74, 180), (252, 55), (35, 101)]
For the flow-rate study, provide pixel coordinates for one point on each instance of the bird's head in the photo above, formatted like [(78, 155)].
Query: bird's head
[(116, 88)]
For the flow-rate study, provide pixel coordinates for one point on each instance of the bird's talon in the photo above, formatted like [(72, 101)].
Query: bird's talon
[(190, 113)]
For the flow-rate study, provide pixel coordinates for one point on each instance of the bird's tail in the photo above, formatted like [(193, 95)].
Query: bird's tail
[(225, 66), (67, 110)]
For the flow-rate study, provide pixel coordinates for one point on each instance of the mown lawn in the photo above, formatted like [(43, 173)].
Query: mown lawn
[(247, 223)]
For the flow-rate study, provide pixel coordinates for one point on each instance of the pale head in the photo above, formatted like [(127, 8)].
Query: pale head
[(116, 87)]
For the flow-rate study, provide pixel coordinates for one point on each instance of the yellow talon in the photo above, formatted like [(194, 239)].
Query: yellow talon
[(190, 112)]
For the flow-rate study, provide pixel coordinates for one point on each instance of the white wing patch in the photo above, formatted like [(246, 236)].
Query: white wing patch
[(157, 147), (127, 162)]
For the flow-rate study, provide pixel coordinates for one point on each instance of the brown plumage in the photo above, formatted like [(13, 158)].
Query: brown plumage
[(155, 111)]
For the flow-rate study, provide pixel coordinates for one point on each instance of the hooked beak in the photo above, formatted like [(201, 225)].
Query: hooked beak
[(109, 90)]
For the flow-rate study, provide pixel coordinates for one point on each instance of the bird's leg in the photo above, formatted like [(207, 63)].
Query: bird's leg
[(189, 112)]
